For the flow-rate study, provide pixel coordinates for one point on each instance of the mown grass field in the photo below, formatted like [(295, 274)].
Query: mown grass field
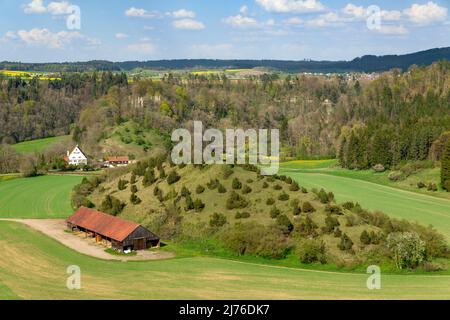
[(398, 203), (38, 145), (33, 266), (40, 197)]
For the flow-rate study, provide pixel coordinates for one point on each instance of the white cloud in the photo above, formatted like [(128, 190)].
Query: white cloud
[(141, 13), (55, 7), (121, 35), (284, 6), (426, 13), (35, 6), (361, 13), (44, 37), (182, 13), (142, 48), (240, 21), (355, 11), (188, 24), (392, 29), (58, 8), (327, 19), (243, 9)]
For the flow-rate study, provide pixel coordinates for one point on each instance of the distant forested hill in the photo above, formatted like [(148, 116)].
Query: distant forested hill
[(369, 63)]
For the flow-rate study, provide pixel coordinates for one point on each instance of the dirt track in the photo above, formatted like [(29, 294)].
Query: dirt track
[(55, 228)]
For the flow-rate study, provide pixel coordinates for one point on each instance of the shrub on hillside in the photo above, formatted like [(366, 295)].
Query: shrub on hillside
[(173, 177), (311, 251), (217, 220), (285, 224), (189, 204), (346, 244), (242, 215), (307, 207), (185, 192), (306, 228), (149, 178), (133, 178), (246, 189), (270, 201), (432, 187), (122, 184), (134, 199), (200, 189), (304, 190), (112, 205), (274, 212), (407, 249), (235, 201), (296, 211), (221, 189), (265, 185), (277, 187), (213, 184), (294, 187), (236, 184), (283, 197), (134, 189), (333, 209), (198, 205), (331, 223), (227, 171)]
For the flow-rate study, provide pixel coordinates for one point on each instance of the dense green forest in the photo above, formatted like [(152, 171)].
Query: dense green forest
[(398, 116), (369, 63)]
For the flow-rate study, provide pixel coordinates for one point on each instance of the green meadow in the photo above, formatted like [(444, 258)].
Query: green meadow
[(39, 197), (33, 266), (38, 145)]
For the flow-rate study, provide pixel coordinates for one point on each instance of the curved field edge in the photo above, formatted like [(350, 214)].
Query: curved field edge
[(39, 197), (33, 266), (397, 203)]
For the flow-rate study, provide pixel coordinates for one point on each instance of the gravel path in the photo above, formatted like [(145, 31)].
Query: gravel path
[(55, 228)]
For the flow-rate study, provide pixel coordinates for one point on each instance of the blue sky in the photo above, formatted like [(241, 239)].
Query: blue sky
[(117, 30)]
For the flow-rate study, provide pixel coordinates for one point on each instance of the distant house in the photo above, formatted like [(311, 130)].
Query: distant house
[(113, 232), (76, 157), (117, 161)]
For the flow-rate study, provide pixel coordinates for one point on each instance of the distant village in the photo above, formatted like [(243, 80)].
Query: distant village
[(77, 158)]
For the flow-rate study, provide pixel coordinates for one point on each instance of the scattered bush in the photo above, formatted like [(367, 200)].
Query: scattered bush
[(407, 249), (294, 187), (304, 190), (221, 189), (149, 178), (277, 187), (236, 184), (333, 209), (396, 176), (265, 185), (122, 184), (189, 204), (348, 205), (134, 189), (346, 243), (274, 212), (421, 185), (270, 201), (227, 171), (285, 224), (133, 178), (213, 184), (432, 187), (306, 228), (134, 199), (283, 197), (217, 220), (235, 201), (242, 215), (200, 189), (199, 205), (112, 205), (331, 223), (297, 211), (173, 177), (246, 189), (185, 192), (311, 251), (307, 207)]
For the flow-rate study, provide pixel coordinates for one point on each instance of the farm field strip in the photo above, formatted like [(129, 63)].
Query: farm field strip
[(40, 197), (395, 202), (32, 261), (38, 145)]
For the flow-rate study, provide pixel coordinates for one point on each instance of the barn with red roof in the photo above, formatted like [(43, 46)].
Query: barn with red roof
[(115, 232)]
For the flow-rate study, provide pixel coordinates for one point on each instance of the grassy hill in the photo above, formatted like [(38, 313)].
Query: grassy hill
[(38, 145), (33, 266), (272, 217), (40, 197)]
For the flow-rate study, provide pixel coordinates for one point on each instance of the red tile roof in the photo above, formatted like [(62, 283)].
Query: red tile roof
[(118, 159), (102, 223)]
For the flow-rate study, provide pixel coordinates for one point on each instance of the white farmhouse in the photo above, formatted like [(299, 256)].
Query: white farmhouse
[(76, 157)]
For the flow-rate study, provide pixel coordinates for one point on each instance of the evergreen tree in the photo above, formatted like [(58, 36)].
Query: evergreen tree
[(445, 167)]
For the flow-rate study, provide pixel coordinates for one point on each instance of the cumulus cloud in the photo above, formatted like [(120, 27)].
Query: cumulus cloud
[(182, 13), (426, 13), (293, 21), (121, 35), (44, 37), (141, 13), (392, 29), (286, 6), (188, 24), (35, 6), (240, 21), (327, 19), (54, 7), (243, 9)]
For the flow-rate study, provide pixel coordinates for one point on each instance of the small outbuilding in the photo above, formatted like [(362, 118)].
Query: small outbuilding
[(114, 232)]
